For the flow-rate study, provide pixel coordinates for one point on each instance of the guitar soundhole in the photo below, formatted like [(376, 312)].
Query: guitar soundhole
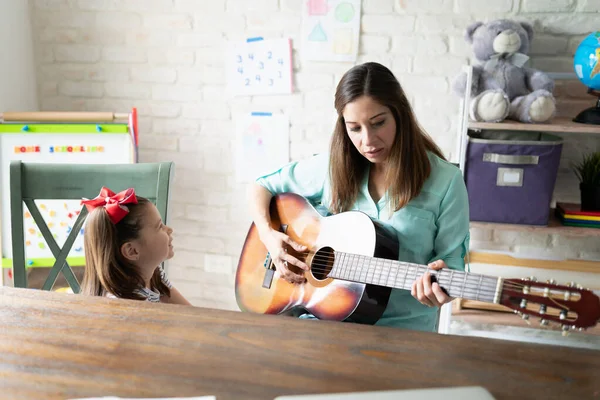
[(322, 263)]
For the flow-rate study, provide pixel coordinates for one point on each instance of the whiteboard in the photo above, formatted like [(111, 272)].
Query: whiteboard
[(54, 148)]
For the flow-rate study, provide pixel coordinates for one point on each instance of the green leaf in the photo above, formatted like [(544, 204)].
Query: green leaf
[(588, 170)]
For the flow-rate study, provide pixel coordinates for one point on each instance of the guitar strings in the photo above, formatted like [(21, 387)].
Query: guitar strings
[(482, 288), (482, 291), (485, 288), (322, 266)]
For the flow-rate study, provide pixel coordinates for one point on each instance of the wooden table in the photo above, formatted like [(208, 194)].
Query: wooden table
[(66, 346)]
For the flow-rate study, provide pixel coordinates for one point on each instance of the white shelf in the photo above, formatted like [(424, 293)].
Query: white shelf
[(557, 125), (554, 227)]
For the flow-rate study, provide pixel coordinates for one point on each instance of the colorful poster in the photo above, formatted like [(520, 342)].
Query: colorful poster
[(262, 144), (60, 216), (330, 30), (55, 144), (259, 67)]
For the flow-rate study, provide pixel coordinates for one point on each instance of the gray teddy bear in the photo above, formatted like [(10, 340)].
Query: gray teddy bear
[(501, 86)]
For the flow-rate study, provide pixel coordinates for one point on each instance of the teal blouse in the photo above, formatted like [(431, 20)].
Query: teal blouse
[(432, 226)]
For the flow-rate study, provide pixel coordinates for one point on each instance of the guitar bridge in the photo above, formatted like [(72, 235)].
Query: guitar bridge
[(268, 279), (268, 264), (269, 273)]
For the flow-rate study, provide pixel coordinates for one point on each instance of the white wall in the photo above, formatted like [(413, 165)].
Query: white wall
[(18, 89), (165, 57)]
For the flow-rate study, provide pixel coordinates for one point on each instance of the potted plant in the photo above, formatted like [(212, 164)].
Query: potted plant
[(588, 172)]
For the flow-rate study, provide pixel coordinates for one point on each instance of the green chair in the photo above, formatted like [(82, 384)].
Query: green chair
[(29, 182)]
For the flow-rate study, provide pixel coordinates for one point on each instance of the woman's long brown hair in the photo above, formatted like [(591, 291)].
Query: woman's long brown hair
[(106, 270), (407, 164)]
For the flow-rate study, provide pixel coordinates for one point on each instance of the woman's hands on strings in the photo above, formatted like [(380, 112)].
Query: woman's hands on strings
[(277, 244), (427, 293)]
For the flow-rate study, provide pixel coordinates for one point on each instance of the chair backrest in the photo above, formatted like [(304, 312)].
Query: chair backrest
[(31, 181)]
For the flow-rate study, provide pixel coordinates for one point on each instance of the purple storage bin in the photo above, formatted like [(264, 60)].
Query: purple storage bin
[(510, 175)]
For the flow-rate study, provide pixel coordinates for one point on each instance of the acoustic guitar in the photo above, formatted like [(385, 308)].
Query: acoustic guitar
[(353, 268)]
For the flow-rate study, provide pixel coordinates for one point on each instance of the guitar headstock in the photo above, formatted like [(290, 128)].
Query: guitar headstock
[(570, 305)]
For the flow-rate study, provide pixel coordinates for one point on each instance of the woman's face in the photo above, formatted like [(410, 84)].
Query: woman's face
[(371, 128)]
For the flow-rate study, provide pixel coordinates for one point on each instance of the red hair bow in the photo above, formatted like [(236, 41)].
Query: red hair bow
[(114, 204)]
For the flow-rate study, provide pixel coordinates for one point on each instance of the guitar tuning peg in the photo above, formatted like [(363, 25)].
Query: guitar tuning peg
[(551, 282), (563, 315), (543, 309), (544, 322), (565, 330), (579, 287), (567, 295), (571, 284), (533, 279), (523, 303)]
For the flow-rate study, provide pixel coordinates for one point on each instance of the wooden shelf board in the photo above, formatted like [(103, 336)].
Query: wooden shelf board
[(557, 125), (483, 257), (554, 227), (478, 305)]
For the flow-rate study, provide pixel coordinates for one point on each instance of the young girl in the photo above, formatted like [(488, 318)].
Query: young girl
[(125, 242)]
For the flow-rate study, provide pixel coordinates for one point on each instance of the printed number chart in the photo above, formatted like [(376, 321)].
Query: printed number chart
[(259, 67)]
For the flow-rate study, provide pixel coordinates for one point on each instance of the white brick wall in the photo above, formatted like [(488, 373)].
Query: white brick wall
[(165, 57)]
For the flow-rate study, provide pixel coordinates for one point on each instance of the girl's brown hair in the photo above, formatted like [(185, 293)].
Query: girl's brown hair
[(407, 165), (106, 270)]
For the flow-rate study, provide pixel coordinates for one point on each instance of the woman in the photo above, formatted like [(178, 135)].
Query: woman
[(382, 163)]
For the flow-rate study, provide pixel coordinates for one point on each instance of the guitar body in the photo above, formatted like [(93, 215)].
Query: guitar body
[(258, 286)]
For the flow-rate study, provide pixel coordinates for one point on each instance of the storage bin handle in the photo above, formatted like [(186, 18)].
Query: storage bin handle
[(510, 159)]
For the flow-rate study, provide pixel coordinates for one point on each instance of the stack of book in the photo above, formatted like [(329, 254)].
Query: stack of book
[(570, 214)]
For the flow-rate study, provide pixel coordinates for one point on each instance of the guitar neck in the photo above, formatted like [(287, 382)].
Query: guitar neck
[(401, 275)]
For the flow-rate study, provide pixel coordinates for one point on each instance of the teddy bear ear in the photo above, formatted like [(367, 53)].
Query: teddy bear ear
[(471, 30), (528, 28)]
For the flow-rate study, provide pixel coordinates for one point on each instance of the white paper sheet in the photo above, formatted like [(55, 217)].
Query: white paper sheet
[(149, 398), (330, 30), (262, 144), (455, 393), (259, 67)]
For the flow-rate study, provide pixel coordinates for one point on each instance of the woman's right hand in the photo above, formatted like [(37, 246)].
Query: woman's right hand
[(277, 244)]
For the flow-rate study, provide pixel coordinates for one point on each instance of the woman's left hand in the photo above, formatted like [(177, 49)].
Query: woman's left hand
[(430, 294)]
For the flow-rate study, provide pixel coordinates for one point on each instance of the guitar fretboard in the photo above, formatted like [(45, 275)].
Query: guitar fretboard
[(401, 275)]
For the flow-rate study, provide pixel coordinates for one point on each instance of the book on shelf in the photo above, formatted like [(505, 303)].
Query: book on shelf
[(565, 213), (573, 209)]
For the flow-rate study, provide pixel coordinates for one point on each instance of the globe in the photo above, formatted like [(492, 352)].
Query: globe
[(587, 61), (587, 67)]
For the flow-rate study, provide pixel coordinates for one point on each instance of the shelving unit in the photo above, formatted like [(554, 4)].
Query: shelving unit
[(557, 126)]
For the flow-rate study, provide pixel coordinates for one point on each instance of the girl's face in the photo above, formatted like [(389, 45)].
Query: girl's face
[(154, 244), (371, 128)]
